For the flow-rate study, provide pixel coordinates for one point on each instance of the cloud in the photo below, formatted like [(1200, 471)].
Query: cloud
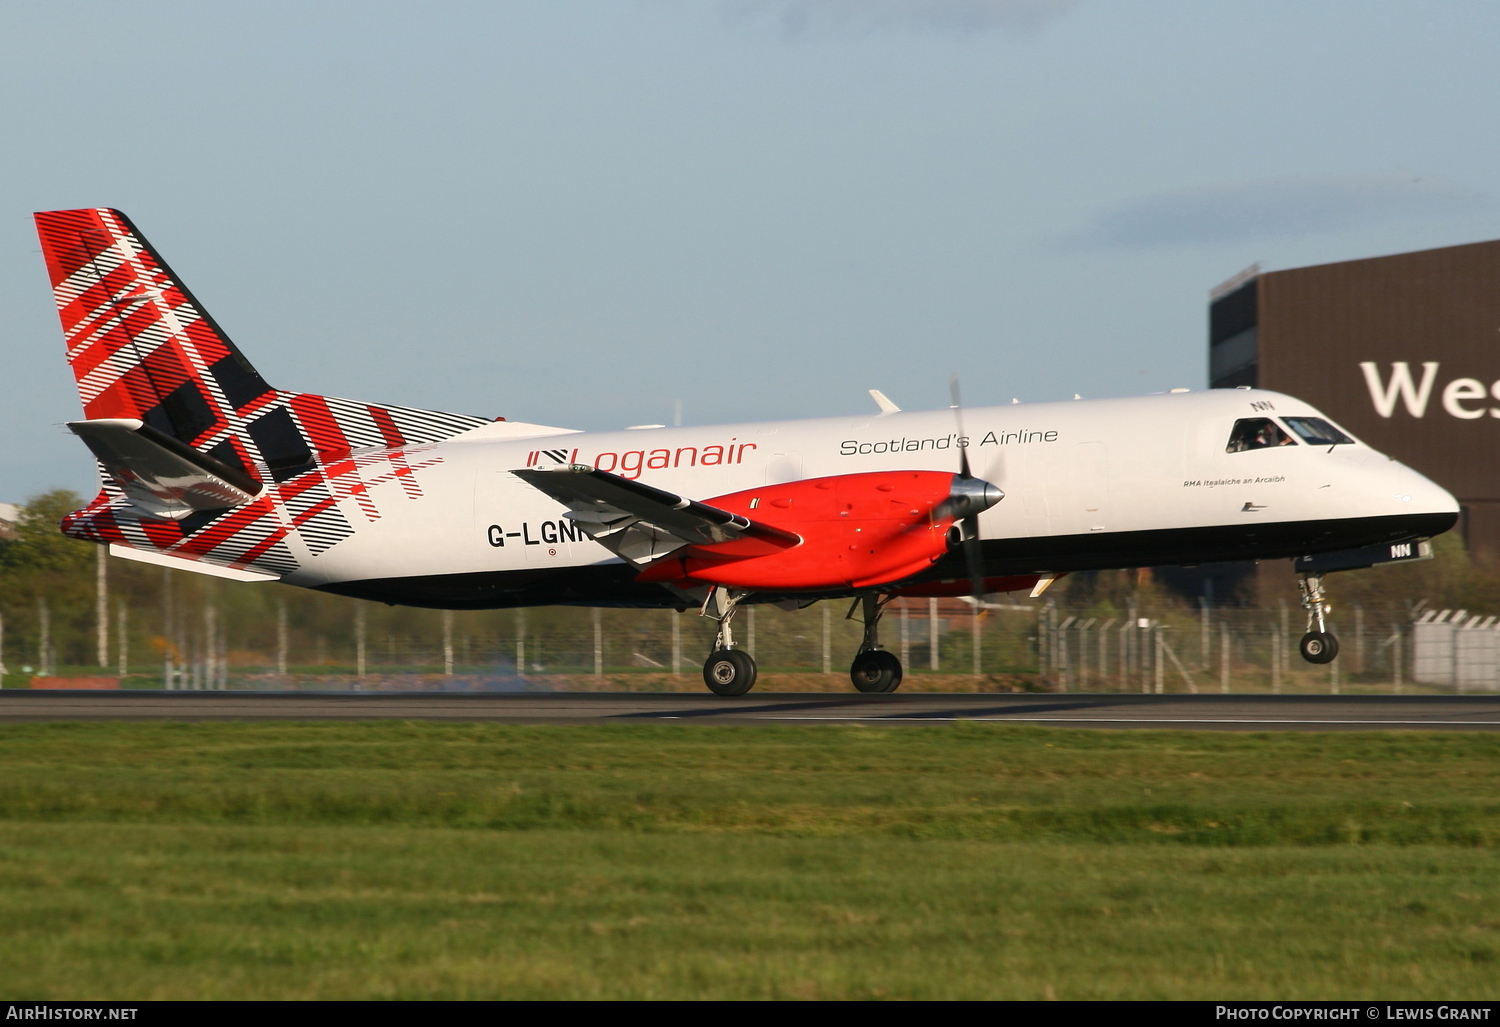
[(863, 17), (1277, 208)]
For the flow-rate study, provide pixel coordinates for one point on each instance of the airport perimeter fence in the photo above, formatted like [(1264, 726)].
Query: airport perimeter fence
[(947, 644)]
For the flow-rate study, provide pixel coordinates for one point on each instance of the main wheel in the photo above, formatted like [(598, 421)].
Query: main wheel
[(876, 670), (729, 672), (1319, 647)]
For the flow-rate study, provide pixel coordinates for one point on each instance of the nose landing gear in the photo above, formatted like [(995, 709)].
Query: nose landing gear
[(727, 671), (874, 669), (1318, 645)]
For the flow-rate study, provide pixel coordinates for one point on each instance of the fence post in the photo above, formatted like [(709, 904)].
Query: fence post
[(1224, 656), (210, 646), (1203, 642), (1104, 654), (1141, 639), (2, 651), (974, 632), (520, 641), (932, 635), (1043, 657), (1397, 664), (1061, 664), (1333, 672), (1081, 673), (101, 605), (1055, 655), (123, 636), (359, 640), (599, 645), (1158, 661), (828, 638), (905, 634), (676, 643), (168, 641), (195, 660), (44, 637), (281, 645), (1286, 627), (1359, 639), (1277, 641)]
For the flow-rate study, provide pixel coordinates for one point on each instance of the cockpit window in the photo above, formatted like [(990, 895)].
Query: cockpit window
[(1317, 432), (1256, 433)]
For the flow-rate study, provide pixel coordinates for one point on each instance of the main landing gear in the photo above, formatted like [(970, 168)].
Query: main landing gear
[(730, 672), (727, 671), (874, 669), (1318, 645)]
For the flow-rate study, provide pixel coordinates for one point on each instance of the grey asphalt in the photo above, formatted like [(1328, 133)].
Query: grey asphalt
[(1196, 712)]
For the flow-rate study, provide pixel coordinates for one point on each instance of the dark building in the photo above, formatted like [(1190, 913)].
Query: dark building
[(1403, 351)]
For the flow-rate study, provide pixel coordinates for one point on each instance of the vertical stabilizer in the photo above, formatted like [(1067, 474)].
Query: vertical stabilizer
[(143, 349), (140, 346)]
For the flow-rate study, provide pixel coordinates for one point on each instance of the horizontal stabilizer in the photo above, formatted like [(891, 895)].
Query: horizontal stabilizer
[(639, 523), (159, 475)]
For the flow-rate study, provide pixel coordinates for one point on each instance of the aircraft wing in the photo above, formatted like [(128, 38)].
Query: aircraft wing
[(639, 523)]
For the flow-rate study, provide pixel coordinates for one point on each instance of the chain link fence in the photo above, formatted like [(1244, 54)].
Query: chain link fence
[(947, 644)]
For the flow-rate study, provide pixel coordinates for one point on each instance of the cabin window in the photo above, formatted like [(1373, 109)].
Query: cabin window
[(1317, 432), (1256, 433)]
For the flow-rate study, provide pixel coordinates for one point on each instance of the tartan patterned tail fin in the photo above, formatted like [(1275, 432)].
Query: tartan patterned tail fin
[(142, 347), (139, 344), (267, 471)]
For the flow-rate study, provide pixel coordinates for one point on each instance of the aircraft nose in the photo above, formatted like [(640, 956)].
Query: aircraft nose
[(1420, 494)]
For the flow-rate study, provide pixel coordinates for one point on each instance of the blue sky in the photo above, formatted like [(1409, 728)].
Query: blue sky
[(579, 212)]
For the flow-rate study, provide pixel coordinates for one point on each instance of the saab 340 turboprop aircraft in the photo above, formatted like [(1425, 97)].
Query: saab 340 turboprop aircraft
[(207, 468)]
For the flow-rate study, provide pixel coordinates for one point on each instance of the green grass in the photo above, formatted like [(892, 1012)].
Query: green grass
[(427, 860)]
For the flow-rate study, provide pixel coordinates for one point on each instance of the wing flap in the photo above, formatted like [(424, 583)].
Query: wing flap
[(639, 523)]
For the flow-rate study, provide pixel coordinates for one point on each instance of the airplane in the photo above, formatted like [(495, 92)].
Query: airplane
[(205, 467)]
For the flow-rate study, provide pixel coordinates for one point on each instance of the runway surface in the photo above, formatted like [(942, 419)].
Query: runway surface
[(1196, 712)]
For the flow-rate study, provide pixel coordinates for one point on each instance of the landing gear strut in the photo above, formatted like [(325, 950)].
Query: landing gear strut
[(727, 671), (874, 669), (1318, 645)]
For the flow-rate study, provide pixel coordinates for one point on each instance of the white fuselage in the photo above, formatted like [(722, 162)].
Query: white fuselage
[(1099, 473)]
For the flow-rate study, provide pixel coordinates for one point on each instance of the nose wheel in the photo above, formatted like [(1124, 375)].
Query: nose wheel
[(874, 669), (1318, 645)]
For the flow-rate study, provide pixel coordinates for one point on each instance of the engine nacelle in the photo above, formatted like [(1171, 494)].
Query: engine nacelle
[(858, 531)]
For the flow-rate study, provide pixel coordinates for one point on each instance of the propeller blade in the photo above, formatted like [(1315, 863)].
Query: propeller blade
[(974, 557), (973, 553), (958, 417)]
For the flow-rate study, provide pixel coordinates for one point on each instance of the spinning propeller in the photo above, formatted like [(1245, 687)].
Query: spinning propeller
[(971, 496)]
